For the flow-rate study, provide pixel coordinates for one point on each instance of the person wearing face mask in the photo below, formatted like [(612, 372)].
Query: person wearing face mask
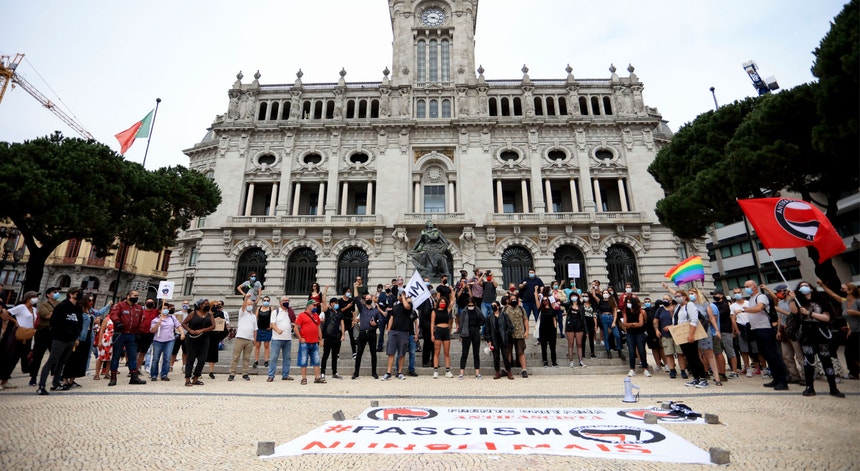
[(520, 321), (282, 329), (76, 366), (26, 316), (765, 338), (66, 323), (368, 318), (243, 344), (634, 323), (179, 336), (815, 336), (163, 328), (42, 341), (608, 310), (499, 331), (469, 323), (851, 312), (563, 303), (252, 286), (687, 312), (197, 324), (347, 311), (333, 334), (219, 333), (719, 308), (792, 355), (309, 331), (651, 340), (574, 329), (264, 331), (746, 345), (440, 334), (144, 336), (529, 287), (126, 316), (662, 321)]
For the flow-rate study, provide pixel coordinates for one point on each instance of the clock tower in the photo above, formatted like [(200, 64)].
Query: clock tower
[(434, 42)]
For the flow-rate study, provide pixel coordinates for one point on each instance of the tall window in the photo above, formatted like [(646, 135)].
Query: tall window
[(352, 262), (434, 109), (516, 262), (446, 59), (446, 108), (434, 61), (565, 255), (301, 271), (422, 60), (434, 198), (73, 248), (621, 265), (253, 259), (421, 109), (165, 260), (192, 258), (187, 287)]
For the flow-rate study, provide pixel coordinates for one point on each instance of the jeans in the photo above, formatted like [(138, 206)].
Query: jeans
[(160, 350), (380, 335), (60, 352), (636, 342), (531, 308), (127, 342), (309, 354), (766, 341), (279, 346), (411, 347), (605, 323)]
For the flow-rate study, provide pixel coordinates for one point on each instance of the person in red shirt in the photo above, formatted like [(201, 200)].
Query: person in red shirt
[(309, 331), (126, 316), (144, 336)]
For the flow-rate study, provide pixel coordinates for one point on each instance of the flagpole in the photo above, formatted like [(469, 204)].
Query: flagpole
[(151, 127), (753, 246)]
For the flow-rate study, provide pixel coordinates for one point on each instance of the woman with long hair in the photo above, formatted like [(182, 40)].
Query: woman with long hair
[(440, 334), (815, 336), (197, 324), (607, 311), (687, 312), (574, 329), (547, 328)]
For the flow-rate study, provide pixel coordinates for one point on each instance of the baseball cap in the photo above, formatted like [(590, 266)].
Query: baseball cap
[(30, 294), (780, 287), (717, 291), (310, 302)]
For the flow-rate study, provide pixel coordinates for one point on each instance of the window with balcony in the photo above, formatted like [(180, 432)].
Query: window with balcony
[(259, 199), (308, 198), (72, 249), (193, 256), (510, 197), (611, 196)]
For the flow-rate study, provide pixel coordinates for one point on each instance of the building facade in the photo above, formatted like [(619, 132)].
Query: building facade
[(326, 181)]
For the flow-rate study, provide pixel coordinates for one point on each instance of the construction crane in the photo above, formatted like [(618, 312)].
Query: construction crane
[(763, 86), (8, 66)]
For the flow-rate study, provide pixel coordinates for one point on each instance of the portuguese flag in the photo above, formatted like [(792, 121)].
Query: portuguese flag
[(138, 129)]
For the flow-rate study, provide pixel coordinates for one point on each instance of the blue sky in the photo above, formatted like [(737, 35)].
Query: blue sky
[(107, 61)]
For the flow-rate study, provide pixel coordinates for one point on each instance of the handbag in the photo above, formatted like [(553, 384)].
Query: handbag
[(22, 334), (681, 332), (220, 324)]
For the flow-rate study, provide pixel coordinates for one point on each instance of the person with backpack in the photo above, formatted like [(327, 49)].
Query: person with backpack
[(762, 332), (333, 335)]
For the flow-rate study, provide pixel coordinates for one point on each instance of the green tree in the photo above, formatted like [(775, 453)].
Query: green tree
[(55, 189)]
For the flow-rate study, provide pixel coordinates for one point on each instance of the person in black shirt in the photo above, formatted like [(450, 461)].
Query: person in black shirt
[(470, 323), (66, 322), (398, 335), (634, 323), (347, 311)]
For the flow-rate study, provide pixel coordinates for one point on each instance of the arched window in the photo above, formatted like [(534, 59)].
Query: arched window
[(446, 59), (607, 105), (583, 106), (562, 106), (422, 60), (434, 61), (595, 106), (64, 282), (329, 109), (301, 271), (550, 106), (352, 262), (538, 106), (374, 108), (494, 108), (318, 109), (446, 108), (350, 109), (306, 109), (565, 255), (261, 116), (621, 265), (90, 283), (362, 108), (518, 106), (285, 111), (273, 114), (251, 260), (516, 263), (434, 109), (506, 107), (421, 109)]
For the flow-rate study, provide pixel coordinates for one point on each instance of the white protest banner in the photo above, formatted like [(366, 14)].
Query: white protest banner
[(587, 438), (417, 290), (508, 415), (165, 290), (573, 270)]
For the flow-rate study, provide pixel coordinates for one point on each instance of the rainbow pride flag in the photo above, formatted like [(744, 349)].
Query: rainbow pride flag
[(689, 270)]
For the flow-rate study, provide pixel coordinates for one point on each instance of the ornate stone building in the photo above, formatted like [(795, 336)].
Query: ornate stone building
[(325, 181)]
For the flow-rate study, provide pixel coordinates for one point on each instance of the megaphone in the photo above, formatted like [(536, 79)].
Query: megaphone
[(629, 396)]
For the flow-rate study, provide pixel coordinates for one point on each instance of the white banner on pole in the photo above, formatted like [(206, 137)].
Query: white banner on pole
[(165, 290), (573, 270), (417, 290)]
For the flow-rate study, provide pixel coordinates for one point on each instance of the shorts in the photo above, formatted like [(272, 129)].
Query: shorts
[(653, 342), (747, 346), (442, 333), (520, 346), (264, 335), (144, 341), (670, 347), (707, 343), (728, 345), (718, 344), (308, 352), (398, 343)]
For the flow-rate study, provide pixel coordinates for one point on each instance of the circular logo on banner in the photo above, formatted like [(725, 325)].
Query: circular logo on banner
[(797, 218), (662, 415), (617, 434), (402, 414)]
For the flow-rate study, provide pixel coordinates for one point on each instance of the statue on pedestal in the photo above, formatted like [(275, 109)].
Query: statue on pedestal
[(428, 255)]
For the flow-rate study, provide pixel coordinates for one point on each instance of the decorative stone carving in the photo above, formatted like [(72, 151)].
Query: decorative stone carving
[(485, 140), (482, 101), (573, 100), (462, 102), (401, 244), (627, 138), (405, 102), (528, 101), (467, 248), (491, 239), (648, 138), (377, 240), (384, 102), (645, 237), (302, 232), (276, 236), (252, 233), (338, 103), (227, 239), (595, 238), (580, 138), (381, 140), (403, 140), (233, 108), (543, 238), (295, 105), (223, 145), (326, 237), (428, 255), (246, 106), (243, 145)]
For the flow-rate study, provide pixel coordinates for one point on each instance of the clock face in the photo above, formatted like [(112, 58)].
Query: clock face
[(433, 17)]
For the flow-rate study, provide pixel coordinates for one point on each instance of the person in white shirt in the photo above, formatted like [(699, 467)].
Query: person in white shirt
[(25, 315), (749, 351), (687, 312), (282, 330), (243, 344)]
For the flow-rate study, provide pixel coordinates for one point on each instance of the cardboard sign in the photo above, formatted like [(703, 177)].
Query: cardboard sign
[(165, 290), (573, 270)]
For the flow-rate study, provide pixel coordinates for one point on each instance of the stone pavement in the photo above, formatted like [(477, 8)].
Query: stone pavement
[(165, 425)]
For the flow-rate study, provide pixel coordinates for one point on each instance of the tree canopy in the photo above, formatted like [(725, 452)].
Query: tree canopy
[(56, 188)]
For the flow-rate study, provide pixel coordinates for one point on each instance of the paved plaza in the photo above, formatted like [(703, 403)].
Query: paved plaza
[(165, 425)]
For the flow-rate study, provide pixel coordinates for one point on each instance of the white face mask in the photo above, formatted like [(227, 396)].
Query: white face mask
[(629, 305), (34, 301), (629, 290), (605, 295)]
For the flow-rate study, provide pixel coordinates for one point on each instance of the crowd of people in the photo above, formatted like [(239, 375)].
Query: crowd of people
[(786, 336)]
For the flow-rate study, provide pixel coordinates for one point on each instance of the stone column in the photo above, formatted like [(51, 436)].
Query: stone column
[(622, 195), (273, 199), (598, 201), (548, 186), (344, 197), (449, 201), (369, 197), (500, 202), (574, 199), (525, 189), (321, 199), (249, 199), (416, 198), (297, 194)]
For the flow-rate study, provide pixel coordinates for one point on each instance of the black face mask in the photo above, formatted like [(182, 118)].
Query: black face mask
[(150, 305), (205, 308), (368, 302), (286, 304), (133, 300)]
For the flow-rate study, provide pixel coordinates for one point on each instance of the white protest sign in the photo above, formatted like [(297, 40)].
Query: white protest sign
[(417, 290), (573, 270), (165, 289)]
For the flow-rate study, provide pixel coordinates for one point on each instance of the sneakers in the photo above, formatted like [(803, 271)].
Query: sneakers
[(684, 374), (246, 377), (571, 364), (386, 376), (256, 363), (581, 364), (691, 384), (673, 374), (403, 377), (153, 378), (448, 374), (545, 365), (478, 376), (353, 356), (749, 372), (757, 371), (435, 375), (231, 377), (41, 391), (733, 375), (322, 375), (647, 373), (373, 375), (460, 377), (337, 376), (413, 373), (211, 375), (525, 374), (355, 376), (266, 364), (631, 373), (702, 384)]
